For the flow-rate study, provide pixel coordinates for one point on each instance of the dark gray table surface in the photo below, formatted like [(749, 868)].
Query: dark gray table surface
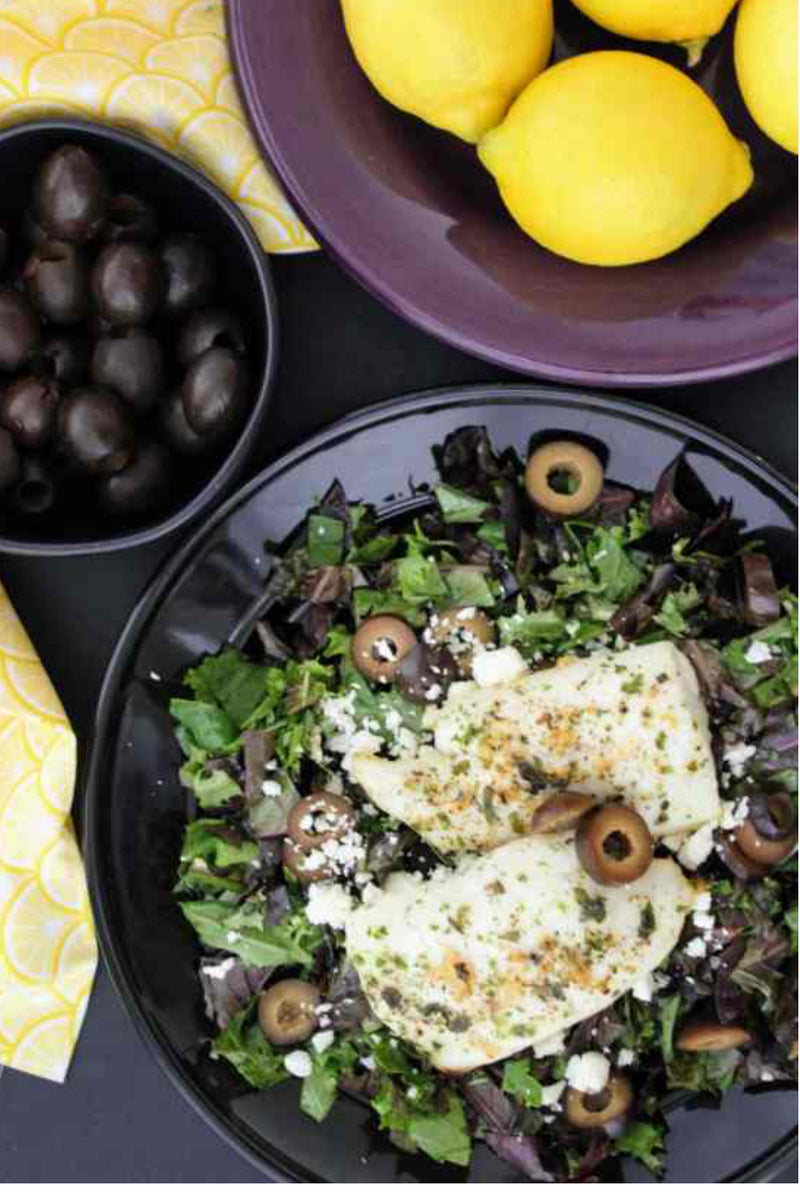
[(118, 1118)]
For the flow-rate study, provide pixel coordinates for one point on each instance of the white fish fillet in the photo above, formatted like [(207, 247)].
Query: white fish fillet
[(511, 948), (630, 725)]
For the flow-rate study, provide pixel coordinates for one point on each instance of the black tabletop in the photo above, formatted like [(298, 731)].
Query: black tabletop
[(118, 1118)]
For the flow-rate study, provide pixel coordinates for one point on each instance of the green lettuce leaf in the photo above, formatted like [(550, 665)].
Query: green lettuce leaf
[(324, 541), (205, 725), (230, 681), (519, 1082), (244, 1046), (458, 507), (241, 931), (420, 580), (645, 1142), (444, 1136)]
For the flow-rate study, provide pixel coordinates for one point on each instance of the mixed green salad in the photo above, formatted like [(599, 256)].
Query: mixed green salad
[(263, 728)]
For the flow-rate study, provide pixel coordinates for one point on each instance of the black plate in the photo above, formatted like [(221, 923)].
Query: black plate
[(134, 811)]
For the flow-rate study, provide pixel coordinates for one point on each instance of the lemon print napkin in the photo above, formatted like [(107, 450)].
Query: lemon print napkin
[(48, 954), (160, 67)]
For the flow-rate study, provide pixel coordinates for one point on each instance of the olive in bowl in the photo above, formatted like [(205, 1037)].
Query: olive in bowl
[(113, 209), (95, 430), (28, 410), (215, 393)]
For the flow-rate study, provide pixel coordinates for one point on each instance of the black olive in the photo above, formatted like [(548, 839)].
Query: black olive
[(95, 430), (177, 431), (28, 410), (144, 485), (57, 281), (9, 460), (126, 284), (190, 273), (3, 249), (71, 194), (129, 218), (131, 363), (215, 393), (32, 232), (64, 358), (211, 328), (35, 492), (426, 673), (19, 329)]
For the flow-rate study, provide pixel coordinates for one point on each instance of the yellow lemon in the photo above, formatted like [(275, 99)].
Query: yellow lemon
[(615, 158), (689, 21), (766, 66), (458, 64)]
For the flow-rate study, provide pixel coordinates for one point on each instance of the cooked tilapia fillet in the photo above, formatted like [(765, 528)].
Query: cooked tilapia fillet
[(511, 948), (630, 725)]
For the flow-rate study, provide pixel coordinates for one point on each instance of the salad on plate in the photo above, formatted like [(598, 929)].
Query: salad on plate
[(491, 824)]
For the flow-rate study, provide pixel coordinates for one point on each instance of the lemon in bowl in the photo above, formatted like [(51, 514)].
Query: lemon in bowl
[(765, 49), (457, 64), (615, 158), (689, 22)]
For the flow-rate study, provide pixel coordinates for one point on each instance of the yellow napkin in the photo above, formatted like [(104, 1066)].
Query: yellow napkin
[(158, 66), (48, 954)]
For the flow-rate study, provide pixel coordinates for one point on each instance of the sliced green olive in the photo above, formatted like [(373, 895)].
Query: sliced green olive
[(461, 630), (322, 817), (568, 462), (760, 849), (593, 1111), (709, 1036), (286, 1012), (304, 864), (742, 866), (561, 812), (462, 622), (380, 644), (614, 844)]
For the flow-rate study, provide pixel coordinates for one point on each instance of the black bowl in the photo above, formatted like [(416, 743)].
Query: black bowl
[(209, 595), (186, 202)]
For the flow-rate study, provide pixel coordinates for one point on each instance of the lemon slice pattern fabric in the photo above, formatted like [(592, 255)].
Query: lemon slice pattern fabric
[(48, 953), (160, 67)]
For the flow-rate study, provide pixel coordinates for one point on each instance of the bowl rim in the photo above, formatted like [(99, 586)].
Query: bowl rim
[(232, 465), (346, 253), (243, 1140)]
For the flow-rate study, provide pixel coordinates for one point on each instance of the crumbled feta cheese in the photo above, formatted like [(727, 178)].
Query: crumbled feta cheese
[(625, 1057), (384, 649), (735, 813), (271, 788), (232, 936), (155, 676), (433, 693), (551, 1095), (736, 757), (697, 848), (323, 1040), (298, 1064), (370, 894), (758, 652), (703, 921), (500, 667), (368, 1063), (572, 628), (550, 1046), (696, 948), (589, 1072), (219, 970), (647, 986), (702, 902), (328, 904)]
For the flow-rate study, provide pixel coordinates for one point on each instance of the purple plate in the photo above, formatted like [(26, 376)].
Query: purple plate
[(414, 217)]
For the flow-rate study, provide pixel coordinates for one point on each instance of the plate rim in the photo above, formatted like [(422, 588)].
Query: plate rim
[(237, 14), (246, 1143)]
